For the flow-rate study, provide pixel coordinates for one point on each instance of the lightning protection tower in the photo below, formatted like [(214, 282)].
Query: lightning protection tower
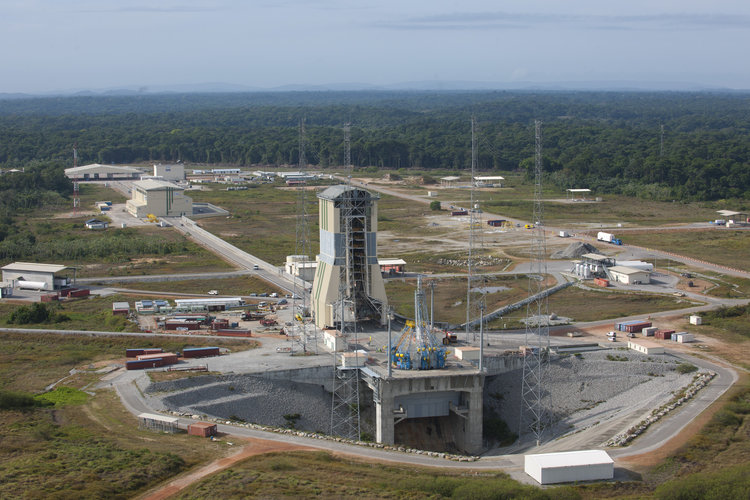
[(302, 251), (475, 228), (76, 199), (536, 350)]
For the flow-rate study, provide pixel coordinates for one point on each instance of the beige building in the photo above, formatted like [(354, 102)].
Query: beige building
[(161, 198), (646, 347), (629, 275)]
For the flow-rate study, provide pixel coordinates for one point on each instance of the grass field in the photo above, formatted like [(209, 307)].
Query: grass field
[(87, 447), (243, 285), (321, 475), (594, 305), (720, 246), (515, 200), (450, 296)]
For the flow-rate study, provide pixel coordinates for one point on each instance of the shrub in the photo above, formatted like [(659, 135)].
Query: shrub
[(686, 368), (10, 400), (435, 205)]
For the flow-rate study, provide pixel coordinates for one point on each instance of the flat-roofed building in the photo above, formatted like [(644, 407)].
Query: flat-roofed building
[(569, 466), (171, 172), (646, 347), (161, 198)]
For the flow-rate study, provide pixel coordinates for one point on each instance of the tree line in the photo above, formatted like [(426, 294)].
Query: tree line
[(659, 145)]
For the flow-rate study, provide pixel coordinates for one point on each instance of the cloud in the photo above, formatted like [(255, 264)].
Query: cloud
[(509, 20)]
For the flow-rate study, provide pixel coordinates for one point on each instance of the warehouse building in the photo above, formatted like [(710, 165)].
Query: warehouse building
[(629, 275), (161, 198), (35, 276), (154, 422), (95, 172)]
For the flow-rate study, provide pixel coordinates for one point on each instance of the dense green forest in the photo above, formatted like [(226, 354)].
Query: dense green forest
[(608, 141)]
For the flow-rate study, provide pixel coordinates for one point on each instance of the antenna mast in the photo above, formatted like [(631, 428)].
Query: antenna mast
[(536, 355)]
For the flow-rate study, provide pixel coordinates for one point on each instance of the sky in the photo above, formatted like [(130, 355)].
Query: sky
[(70, 45)]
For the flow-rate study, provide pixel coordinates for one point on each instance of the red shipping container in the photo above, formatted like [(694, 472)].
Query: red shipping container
[(167, 358), (142, 364), (83, 292), (133, 353), (200, 352), (202, 429), (234, 333), (174, 325)]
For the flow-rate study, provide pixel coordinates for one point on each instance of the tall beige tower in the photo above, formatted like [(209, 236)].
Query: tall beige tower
[(348, 262)]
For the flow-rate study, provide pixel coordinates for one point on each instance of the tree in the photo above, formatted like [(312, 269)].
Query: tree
[(435, 205)]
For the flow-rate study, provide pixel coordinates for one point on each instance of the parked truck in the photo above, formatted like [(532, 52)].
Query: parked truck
[(608, 238)]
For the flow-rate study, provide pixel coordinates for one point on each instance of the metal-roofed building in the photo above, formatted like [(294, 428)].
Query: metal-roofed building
[(96, 171), (348, 255), (35, 276), (161, 198), (170, 172)]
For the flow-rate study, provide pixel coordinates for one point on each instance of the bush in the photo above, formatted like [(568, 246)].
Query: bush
[(38, 312), (733, 482), (686, 368), (10, 400), (434, 205)]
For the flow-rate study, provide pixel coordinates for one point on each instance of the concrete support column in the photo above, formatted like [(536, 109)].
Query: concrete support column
[(385, 428)]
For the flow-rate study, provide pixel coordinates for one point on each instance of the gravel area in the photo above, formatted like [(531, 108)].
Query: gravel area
[(595, 386), (581, 391), (250, 398)]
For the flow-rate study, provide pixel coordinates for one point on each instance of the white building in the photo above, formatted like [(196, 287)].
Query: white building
[(96, 171), (35, 276), (629, 275), (161, 198), (646, 347), (570, 466), (174, 172)]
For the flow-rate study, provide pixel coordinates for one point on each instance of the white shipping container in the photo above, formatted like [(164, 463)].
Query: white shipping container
[(696, 320), (564, 234)]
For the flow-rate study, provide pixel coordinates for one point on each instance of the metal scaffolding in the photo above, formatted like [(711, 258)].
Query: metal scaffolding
[(300, 334)]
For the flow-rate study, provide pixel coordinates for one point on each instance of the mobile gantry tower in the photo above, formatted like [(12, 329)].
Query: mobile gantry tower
[(348, 256)]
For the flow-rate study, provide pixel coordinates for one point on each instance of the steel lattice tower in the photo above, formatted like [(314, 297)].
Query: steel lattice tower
[(302, 248), (536, 356), (345, 415)]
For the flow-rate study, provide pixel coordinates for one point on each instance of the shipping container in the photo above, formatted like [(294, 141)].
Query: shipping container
[(648, 331), (459, 212), (49, 297), (496, 222), (601, 282), (172, 325), (167, 358), (81, 292), (200, 352), (132, 353), (202, 429), (234, 333), (142, 364)]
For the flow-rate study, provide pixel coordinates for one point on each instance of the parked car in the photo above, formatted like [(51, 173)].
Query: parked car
[(256, 267), (274, 295), (253, 294), (282, 302), (213, 292), (264, 294)]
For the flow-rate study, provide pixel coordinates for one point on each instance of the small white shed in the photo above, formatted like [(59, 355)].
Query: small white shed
[(695, 319), (569, 466)]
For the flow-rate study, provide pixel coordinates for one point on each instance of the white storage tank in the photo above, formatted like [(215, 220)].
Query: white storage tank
[(569, 466)]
